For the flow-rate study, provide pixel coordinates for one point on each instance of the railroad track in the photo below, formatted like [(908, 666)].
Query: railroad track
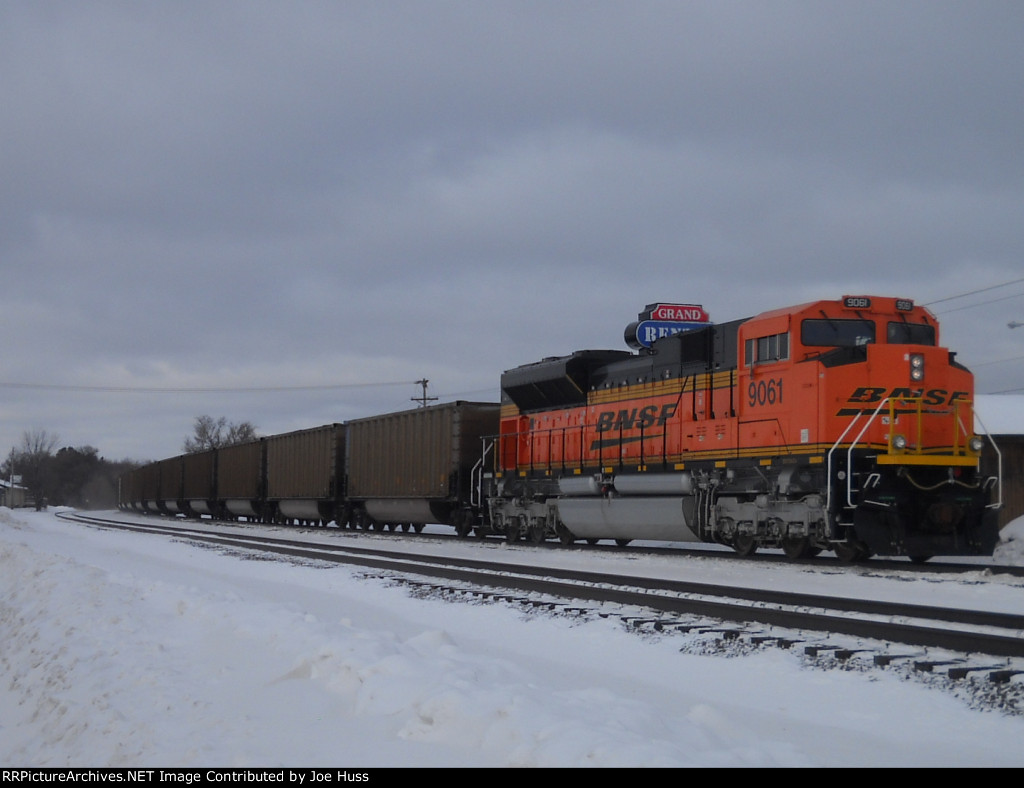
[(853, 633)]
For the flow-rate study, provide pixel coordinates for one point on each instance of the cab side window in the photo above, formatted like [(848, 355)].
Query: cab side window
[(774, 347)]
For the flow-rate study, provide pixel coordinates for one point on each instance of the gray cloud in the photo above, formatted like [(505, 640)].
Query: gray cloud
[(256, 194)]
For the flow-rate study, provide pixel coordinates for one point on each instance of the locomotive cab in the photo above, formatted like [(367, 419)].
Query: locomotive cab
[(868, 385)]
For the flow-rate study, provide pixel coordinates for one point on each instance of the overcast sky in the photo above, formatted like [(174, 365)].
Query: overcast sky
[(258, 196)]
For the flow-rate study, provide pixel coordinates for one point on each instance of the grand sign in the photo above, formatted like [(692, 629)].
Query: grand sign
[(662, 320)]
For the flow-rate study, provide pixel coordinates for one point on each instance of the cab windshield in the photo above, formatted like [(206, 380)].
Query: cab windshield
[(910, 334), (837, 333)]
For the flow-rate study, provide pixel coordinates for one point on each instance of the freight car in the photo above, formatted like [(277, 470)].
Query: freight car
[(833, 425), (304, 475), (838, 425), (419, 466), (402, 469)]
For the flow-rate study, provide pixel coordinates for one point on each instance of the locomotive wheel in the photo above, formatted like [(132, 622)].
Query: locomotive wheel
[(797, 547), (536, 533), (565, 536), (744, 544), (851, 552)]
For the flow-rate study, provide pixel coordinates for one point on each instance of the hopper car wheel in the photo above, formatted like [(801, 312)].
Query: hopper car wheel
[(920, 559), (797, 547), (463, 524), (417, 527), (623, 542), (744, 544), (593, 541), (536, 533)]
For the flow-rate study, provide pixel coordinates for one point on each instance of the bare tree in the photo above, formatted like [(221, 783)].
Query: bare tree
[(211, 433), (31, 461)]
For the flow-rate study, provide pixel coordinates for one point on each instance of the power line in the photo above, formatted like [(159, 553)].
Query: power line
[(198, 389), (974, 292), (997, 361), (982, 303)]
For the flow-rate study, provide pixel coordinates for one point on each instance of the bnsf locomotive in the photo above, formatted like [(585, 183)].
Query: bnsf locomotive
[(833, 425)]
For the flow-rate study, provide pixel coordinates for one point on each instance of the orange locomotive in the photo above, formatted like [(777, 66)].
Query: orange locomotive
[(834, 425)]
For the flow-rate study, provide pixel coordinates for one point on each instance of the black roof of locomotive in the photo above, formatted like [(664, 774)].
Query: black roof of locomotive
[(564, 381)]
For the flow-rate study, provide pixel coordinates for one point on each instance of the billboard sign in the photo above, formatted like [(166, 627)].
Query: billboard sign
[(661, 320)]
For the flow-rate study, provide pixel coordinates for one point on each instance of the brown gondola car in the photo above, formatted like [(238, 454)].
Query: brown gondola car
[(169, 497), (240, 481), (305, 474), (417, 466), (199, 483)]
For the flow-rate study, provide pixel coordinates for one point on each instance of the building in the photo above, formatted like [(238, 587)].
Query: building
[(1001, 416), (13, 496)]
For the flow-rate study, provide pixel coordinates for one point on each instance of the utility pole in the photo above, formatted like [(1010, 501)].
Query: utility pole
[(423, 399)]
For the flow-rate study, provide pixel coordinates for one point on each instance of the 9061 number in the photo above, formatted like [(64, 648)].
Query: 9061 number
[(765, 392)]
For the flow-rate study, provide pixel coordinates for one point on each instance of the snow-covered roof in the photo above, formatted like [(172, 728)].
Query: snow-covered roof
[(1000, 414)]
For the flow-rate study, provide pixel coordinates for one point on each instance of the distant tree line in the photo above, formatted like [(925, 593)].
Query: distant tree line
[(70, 476), (80, 477)]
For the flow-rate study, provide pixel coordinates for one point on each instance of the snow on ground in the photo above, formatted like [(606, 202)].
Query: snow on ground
[(134, 650)]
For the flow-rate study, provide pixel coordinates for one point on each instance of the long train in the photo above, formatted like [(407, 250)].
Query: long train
[(838, 425)]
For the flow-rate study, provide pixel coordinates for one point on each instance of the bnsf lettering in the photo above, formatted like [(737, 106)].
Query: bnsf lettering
[(869, 394), (643, 418), (872, 395)]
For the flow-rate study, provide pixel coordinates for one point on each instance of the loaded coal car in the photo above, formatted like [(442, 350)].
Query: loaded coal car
[(149, 488), (129, 489), (420, 466), (240, 482), (836, 425), (199, 483), (305, 475), (169, 496)]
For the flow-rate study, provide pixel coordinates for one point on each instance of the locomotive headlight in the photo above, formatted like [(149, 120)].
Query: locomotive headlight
[(899, 442), (916, 366), (977, 444)]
